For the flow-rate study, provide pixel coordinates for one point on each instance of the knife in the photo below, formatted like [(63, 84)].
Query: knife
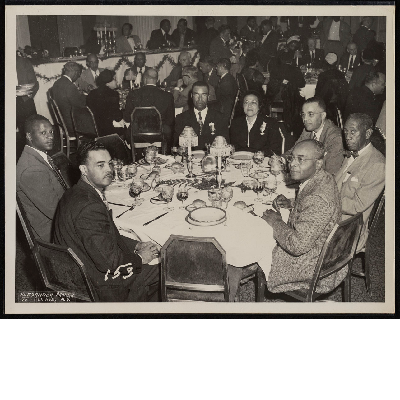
[(117, 204), (154, 219), (129, 209)]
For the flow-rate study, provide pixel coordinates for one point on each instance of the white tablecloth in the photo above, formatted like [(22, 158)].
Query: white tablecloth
[(246, 238), (50, 70)]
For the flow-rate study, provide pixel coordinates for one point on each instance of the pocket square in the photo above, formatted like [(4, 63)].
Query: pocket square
[(354, 179)]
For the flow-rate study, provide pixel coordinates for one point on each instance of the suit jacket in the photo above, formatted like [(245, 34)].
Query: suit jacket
[(189, 36), (315, 212), (219, 50), (344, 61), (148, 96), (104, 103), (270, 141), (362, 37), (157, 40), (226, 91), (268, 48), (39, 191), (344, 32), (362, 100), (331, 137), (318, 57), (188, 118), (359, 75), (126, 84), (360, 185), (67, 95), (175, 74), (248, 34), (86, 79), (212, 79), (84, 224), (123, 45), (205, 40)]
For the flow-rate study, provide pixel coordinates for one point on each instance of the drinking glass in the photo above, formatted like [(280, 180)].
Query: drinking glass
[(150, 156), (258, 188), (245, 169), (182, 194), (174, 151), (215, 197), (226, 194), (167, 194), (258, 157), (270, 185), (117, 165), (135, 189)]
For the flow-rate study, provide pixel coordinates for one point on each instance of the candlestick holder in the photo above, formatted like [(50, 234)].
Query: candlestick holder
[(220, 148), (189, 139)]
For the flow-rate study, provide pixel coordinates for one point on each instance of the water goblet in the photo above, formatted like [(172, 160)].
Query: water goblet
[(135, 189), (245, 169), (258, 188), (258, 157), (270, 186), (167, 194), (226, 194), (215, 197), (174, 151), (182, 194)]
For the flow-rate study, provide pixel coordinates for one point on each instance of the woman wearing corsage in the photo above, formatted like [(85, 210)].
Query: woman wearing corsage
[(254, 131)]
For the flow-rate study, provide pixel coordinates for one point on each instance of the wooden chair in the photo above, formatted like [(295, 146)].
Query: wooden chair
[(365, 253), (116, 147), (242, 83), (337, 252), (63, 271), (378, 140), (69, 142), (276, 111), (26, 226), (234, 107), (193, 269), (69, 171), (84, 123), (146, 129)]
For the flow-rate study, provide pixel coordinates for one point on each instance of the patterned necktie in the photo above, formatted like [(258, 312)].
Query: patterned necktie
[(351, 62), (314, 136), (105, 201), (353, 154), (57, 173), (200, 123)]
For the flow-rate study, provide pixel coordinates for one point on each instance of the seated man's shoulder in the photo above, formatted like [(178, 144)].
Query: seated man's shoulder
[(332, 129)]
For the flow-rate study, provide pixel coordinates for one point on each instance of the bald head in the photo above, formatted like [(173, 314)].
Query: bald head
[(184, 58), (150, 76), (92, 62), (73, 70)]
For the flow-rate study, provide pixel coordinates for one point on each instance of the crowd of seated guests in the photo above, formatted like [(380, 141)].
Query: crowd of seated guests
[(340, 117)]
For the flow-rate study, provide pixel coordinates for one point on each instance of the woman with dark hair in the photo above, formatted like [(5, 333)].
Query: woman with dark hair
[(254, 131), (252, 72), (104, 103)]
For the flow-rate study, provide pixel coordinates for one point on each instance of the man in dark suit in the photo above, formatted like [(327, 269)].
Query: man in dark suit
[(312, 55), (269, 43), (183, 36), (138, 69), (351, 59), (67, 95), (206, 37), (227, 87), (176, 73), (151, 95), (160, 38), (250, 32), (39, 183), (368, 99), (116, 265), (335, 35), (364, 34), (206, 122), (207, 67), (219, 45)]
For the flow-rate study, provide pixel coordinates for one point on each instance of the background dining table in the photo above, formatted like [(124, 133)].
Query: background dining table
[(246, 238)]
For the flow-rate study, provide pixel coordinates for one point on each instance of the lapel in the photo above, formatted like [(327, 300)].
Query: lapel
[(322, 138), (360, 161), (89, 77), (193, 120), (255, 129), (33, 153)]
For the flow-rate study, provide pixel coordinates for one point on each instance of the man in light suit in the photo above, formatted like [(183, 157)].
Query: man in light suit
[(39, 183), (351, 59), (127, 42), (116, 265), (219, 46), (362, 176), (335, 35), (87, 81), (67, 95), (206, 122), (314, 213), (316, 126)]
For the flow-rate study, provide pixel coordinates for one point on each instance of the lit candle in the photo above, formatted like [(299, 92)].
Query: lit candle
[(219, 163), (130, 82), (190, 149)]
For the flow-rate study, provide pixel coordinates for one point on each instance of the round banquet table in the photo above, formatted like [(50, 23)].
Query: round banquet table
[(246, 238)]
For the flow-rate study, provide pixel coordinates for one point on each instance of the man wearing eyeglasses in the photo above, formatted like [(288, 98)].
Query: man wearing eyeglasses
[(313, 215), (317, 126)]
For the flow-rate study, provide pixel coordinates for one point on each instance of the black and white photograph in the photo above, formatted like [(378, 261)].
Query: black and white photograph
[(203, 159)]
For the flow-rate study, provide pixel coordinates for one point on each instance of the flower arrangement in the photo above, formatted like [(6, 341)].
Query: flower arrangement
[(262, 128)]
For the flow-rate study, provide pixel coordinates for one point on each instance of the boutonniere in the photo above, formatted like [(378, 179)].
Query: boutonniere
[(262, 128), (212, 127)]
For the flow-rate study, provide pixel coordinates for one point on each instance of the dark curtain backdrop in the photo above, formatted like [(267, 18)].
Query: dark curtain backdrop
[(44, 33)]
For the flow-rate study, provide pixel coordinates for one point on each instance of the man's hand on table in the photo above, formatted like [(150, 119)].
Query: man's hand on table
[(281, 202), (148, 251), (271, 216)]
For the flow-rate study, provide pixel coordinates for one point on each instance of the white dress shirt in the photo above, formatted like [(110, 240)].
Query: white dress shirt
[(334, 31), (319, 131), (265, 36), (131, 42), (203, 114), (351, 58)]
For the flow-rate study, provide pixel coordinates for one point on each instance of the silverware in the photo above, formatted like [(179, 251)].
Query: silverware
[(148, 222), (117, 204), (129, 209)]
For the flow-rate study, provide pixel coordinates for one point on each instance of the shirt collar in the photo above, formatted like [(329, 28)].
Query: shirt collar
[(224, 75), (363, 149), (202, 112), (68, 78), (319, 131), (42, 153), (100, 193)]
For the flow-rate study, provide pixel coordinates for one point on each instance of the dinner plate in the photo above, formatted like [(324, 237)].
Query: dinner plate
[(206, 215), (157, 161), (240, 156), (196, 223), (259, 174)]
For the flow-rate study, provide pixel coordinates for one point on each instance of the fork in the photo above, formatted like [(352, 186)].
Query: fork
[(129, 209)]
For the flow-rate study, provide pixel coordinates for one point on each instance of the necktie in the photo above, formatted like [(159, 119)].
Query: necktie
[(105, 201), (353, 154), (351, 62), (57, 173), (312, 56), (200, 123), (314, 136)]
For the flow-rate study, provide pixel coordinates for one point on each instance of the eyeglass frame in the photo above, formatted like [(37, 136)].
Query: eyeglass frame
[(302, 115)]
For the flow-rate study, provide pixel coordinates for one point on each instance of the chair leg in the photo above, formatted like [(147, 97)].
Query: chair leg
[(347, 285), (366, 261), (260, 282)]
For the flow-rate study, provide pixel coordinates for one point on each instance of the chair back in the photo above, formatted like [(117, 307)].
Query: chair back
[(30, 237), (69, 171), (63, 271), (116, 147), (338, 250), (84, 123), (376, 210), (193, 269), (234, 107), (378, 140), (146, 129), (276, 110), (242, 83)]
